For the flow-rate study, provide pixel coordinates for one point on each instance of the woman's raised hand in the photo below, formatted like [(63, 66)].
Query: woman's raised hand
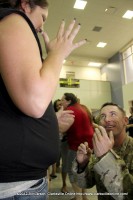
[(63, 44)]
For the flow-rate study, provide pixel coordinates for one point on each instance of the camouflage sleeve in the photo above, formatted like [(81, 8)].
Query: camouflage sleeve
[(115, 176), (84, 178)]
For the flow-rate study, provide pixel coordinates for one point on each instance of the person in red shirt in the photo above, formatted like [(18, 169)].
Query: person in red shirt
[(81, 130)]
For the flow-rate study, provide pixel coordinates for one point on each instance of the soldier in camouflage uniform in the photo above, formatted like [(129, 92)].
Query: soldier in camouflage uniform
[(110, 167)]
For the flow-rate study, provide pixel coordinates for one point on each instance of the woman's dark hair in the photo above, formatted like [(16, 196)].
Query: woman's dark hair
[(55, 105), (17, 3), (72, 97)]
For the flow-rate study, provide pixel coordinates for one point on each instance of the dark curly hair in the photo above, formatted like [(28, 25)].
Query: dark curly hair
[(72, 97), (54, 104)]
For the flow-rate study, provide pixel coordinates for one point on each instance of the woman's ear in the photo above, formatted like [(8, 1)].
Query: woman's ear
[(25, 6)]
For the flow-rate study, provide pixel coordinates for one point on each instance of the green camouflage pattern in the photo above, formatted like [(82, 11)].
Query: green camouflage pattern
[(112, 175)]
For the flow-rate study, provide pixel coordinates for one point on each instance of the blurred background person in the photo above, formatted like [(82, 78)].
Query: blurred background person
[(130, 123), (92, 119), (63, 153), (52, 174), (80, 131)]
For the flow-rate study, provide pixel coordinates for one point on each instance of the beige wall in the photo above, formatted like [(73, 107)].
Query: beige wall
[(86, 73), (91, 93), (127, 96)]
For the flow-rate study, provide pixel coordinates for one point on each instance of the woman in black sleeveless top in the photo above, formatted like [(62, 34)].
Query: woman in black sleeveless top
[(28, 125)]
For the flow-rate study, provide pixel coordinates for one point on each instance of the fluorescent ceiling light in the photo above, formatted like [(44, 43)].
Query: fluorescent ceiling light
[(79, 4), (101, 44), (94, 64), (128, 14)]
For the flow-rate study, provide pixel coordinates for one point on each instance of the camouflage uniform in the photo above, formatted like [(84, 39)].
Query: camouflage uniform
[(112, 174)]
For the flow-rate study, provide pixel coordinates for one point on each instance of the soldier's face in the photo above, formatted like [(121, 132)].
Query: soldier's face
[(112, 119)]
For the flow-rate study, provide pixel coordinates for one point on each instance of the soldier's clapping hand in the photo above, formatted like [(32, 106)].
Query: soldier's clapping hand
[(102, 142), (83, 154)]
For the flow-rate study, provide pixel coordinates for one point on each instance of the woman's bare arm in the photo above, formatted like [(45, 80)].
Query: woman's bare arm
[(30, 83)]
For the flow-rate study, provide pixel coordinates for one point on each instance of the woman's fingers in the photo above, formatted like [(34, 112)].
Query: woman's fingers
[(63, 43), (74, 32), (80, 43), (46, 40), (70, 33), (61, 30), (69, 30)]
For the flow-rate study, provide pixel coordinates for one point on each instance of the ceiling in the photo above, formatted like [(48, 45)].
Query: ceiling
[(116, 31)]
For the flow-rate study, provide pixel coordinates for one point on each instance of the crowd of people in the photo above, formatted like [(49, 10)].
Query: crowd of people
[(102, 158)]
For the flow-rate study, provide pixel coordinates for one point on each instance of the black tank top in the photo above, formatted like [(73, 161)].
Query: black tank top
[(27, 145)]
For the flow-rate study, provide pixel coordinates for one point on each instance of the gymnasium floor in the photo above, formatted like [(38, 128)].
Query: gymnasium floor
[(55, 193)]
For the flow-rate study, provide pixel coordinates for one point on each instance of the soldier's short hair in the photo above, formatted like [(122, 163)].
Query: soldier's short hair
[(113, 104)]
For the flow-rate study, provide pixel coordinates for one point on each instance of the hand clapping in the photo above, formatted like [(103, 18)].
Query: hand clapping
[(102, 142), (65, 119), (83, 154)]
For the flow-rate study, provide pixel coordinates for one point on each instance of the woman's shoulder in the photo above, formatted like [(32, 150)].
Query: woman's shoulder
[(10, 12), (13, 26)]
